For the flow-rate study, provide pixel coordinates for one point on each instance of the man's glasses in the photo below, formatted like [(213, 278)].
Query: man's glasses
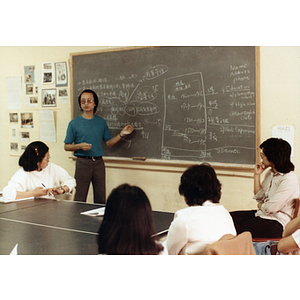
[(88, 101)]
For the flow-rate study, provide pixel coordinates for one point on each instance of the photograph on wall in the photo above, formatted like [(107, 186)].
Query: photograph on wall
[(29, 89), (14, 133), (23, 147), (61, 74), (49, 97), (47, 73), (13, 118), (63, 95), (31, 101), (26, 120), (29, 73), (25, 136), (14, 147)]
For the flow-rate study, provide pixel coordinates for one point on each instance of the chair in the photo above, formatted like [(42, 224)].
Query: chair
[(296, 208), (295, 214), (73, 194), (232, 245)]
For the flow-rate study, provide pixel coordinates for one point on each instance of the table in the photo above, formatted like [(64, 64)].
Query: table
[(48, 227)]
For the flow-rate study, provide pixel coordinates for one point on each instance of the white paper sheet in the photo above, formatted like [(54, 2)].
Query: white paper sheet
[(14, 89), (286, 133), (98, 212), (15, 200), (47, 126), (15, 250)]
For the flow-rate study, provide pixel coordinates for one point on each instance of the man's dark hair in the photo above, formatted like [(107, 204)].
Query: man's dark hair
[(96, 100)]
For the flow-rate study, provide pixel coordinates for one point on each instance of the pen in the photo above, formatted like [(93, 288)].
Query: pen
[(45, 187)]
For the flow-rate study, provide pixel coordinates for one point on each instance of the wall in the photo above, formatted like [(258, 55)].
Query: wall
[(279, 106)]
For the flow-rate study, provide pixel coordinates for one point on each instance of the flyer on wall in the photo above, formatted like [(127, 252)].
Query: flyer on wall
[(47, 73), (61, 74)]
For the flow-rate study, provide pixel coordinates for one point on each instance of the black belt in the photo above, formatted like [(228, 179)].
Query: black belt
[(91, 157)]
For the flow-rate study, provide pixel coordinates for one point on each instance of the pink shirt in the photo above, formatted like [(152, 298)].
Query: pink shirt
[(277, 194)]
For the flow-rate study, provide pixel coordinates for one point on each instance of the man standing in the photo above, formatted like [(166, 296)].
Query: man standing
[(84, 136)]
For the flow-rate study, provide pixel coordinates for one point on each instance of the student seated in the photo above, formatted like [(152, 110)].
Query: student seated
[(203, 222), (127, 226), (288, 244), (275, 194), (37, 176)]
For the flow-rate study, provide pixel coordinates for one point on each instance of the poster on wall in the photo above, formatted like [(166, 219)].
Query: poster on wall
[(286, 133), (29, 74), (47, 70), (47, 126), (61, 74), (14, 89)]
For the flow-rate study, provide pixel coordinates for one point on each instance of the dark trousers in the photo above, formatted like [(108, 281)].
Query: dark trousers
[(88, 171), (259, 227)]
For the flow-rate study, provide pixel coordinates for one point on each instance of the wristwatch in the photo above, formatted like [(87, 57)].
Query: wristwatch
[(61, 188)]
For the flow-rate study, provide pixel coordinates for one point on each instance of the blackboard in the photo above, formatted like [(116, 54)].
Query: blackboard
[(186, 103)]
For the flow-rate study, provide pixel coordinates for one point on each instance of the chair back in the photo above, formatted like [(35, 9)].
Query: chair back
[(232, 245), (296, 208)]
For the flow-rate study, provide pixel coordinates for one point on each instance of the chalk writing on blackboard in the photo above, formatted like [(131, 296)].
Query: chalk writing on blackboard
[(183, 106)]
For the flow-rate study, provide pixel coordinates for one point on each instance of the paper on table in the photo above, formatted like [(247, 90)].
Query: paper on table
[(15, 200), (14, 251), (98, 212), (49, 197)]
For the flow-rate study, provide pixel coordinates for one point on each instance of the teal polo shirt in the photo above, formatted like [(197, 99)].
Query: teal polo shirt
[(91, 131)]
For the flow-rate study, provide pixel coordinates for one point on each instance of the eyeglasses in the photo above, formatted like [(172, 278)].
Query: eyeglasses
[(262, 155), (88, 101), (47, 158)]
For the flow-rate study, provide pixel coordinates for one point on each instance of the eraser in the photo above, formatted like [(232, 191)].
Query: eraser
[(139, 158)]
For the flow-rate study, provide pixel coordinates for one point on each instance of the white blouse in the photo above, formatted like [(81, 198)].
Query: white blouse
[(195, 227), (277, 194), (51, 176)]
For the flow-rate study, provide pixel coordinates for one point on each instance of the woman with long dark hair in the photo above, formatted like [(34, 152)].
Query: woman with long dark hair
[(127, 226), (37, 176), (274, 194)]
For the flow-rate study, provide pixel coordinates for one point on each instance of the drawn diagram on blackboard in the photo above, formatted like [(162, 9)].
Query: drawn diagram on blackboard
[(187, 130)]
